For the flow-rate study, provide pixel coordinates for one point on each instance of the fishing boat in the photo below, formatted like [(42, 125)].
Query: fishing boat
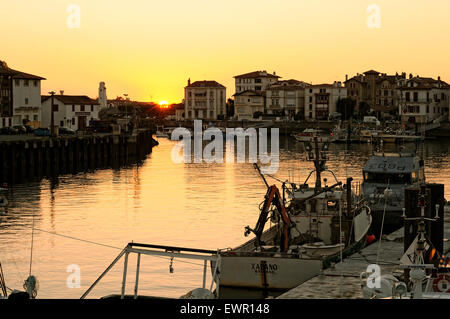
[(345, 135), (313, 227), (309, 134), (385, 177), (161, 132)]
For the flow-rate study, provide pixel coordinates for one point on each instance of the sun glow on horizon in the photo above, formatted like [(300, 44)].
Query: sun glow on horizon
[(163, 104)]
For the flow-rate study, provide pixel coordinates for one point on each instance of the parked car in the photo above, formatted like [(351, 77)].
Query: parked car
[(29, 128), (334, 116), (9, 130), (42, 131), (20, 128), (66, 131)]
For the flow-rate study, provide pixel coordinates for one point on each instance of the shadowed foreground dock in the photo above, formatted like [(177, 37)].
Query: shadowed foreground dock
[(342, 281)]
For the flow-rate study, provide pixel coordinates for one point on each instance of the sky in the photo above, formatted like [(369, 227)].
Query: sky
[(148, 49)]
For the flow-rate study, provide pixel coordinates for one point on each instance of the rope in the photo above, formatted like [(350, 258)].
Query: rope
[(31, 249), (382, 223), (104, 245)]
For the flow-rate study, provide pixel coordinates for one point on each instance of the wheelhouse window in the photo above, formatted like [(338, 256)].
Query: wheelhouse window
[(387, 178)]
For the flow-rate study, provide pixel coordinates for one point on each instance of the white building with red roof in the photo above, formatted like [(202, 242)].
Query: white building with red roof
[(204, 100), (20, 97)]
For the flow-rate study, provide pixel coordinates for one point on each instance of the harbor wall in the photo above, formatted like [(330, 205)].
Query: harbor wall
[(28, 159)]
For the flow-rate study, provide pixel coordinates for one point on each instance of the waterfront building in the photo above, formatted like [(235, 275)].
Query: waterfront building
[(179, 111), (72, 111), (248, 105), (375, 91), (423, 100), (20, 97), (204, 100), (251, 90), (321, 100), (286, 98)]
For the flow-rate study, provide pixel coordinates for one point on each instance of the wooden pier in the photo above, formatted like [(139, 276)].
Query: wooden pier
[(343, 280), (26, 158)]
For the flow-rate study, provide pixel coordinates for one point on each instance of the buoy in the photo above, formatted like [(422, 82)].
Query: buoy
[(442, 283), (370, 238)]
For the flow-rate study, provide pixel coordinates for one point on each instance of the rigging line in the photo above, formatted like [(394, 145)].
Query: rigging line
[(382, 222), (106, 245), (32, 243)]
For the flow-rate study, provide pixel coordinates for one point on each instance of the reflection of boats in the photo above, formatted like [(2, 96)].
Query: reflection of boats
[(309, 134), (386, 175), (320, 225), (3, 199)]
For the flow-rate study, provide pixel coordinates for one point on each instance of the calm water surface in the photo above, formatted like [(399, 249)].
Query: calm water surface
[(158, 202)]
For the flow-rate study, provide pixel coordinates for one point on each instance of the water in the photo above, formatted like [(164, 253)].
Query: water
[(158, 202)]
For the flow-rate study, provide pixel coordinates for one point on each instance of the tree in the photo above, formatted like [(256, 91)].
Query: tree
[(346, 107), (364, 109)]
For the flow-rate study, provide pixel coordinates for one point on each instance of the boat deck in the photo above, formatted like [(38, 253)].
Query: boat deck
[(342, 281)]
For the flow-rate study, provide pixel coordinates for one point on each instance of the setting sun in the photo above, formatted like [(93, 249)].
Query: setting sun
[(163, 104)]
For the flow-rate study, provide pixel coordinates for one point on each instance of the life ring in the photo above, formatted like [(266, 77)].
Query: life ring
[(442, 284)]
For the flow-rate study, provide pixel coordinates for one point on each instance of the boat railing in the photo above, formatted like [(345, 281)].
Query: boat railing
[(162, 251)]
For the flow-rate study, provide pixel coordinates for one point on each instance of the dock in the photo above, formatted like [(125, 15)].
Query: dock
[(343, 280), (26, 157)]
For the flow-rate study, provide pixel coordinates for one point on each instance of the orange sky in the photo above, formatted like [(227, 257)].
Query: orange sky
[(148, 49)]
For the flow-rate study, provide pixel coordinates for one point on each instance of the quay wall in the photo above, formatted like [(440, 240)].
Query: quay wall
[(29, 158)]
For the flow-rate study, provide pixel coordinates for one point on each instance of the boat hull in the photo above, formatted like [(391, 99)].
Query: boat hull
[(261, 272)]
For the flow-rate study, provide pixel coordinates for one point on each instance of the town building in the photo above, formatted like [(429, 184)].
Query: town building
[(179, 111), (20, 97), (321, 100), (250, 90), (204, 100), (248, 105), (72, 111), (286, 98), (423, 100), (375, 91)]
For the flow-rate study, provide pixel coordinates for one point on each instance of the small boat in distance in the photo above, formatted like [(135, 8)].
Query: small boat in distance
[(161, 132), (309, 134)]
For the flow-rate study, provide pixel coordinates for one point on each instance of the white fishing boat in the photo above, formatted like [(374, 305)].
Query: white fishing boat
[(313, 228)]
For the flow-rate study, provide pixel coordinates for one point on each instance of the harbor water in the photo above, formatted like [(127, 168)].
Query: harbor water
[(81, 222)]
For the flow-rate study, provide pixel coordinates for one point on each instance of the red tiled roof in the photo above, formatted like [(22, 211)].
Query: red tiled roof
[(257, 74), (5, 70), (205, 84), (250, 93), (72, 99)]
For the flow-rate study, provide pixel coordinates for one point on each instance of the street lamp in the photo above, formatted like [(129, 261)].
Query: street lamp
[(52, 120)]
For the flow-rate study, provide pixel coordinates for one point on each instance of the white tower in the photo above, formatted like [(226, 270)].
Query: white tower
[(102, 95)]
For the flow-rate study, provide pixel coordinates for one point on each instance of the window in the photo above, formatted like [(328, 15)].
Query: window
[(35, 118), (92, 108), (17, 82), (428, 109), (73, 121), (257, 88), (61, 123), (35, 83), (407, 96), (416, 96), (25, 83), (82, 108), (73, 108), (26, 101)]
